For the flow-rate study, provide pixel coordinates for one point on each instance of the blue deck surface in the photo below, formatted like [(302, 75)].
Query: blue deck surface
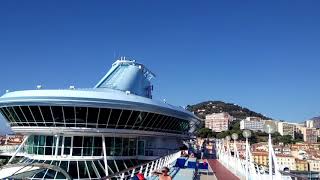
[(192, 163), (181, 162), (184, 174)]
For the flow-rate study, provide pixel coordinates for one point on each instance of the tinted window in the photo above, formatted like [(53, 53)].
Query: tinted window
[(159, 124), (103, 117), (92, 117), (19, 114), (156, 121), (13, 114), (58, 115), (87, 146), (141, 117), (83, 173), (37, 115), (114, 118), (47, 115), (132, 119), (28, 115), (168, 125), (69, 115), (73, 172), (81, 116), (151, 121), (123, 119), (147, 120)]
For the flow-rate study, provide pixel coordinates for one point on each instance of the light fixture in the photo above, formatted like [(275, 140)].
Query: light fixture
[(246, 133), (228, 138), (71, 87), (269, 128), (234, 136)]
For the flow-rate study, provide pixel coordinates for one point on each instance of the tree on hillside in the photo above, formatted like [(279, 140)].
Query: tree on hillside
[(286, 139), (205, 133), (234, 125), (234, 110), (222, 134), (298, 137)]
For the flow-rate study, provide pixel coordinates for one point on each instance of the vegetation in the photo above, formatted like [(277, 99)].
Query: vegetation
[(209, 107), (205, 133)]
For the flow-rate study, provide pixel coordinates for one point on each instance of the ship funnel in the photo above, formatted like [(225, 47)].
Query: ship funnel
[(128, 76)]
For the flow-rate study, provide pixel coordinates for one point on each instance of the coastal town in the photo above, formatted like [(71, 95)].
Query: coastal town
[(300, 154)]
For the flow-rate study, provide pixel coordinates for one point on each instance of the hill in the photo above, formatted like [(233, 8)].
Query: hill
[(208, 107), (316, 118)]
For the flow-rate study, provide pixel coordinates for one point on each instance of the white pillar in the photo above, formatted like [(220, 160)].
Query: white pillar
[(105, 155), (270, 157), (156, 165), (16, 152), (151, 168), (146, 171), (247, 154), (276, 167), (235, 150), (132, 173), (57, 145)]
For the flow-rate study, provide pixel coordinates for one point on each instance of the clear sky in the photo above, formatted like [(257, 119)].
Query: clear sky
[(264, 55)]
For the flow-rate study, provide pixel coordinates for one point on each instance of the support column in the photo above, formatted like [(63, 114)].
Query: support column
[(247, 154), (57, 145), (270, 157), (15, 153), (105, 155)]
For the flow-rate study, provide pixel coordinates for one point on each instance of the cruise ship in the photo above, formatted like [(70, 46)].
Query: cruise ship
[(96, 132)]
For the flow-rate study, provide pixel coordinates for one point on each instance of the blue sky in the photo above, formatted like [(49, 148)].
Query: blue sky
[(263, 55)]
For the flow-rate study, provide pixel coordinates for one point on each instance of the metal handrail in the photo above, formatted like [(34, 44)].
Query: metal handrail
[(146, 168)]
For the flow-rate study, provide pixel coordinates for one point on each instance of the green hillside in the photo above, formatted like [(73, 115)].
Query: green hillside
[(208, 107)]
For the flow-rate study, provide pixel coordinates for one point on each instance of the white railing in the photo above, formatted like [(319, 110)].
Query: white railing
[(245, 168), (147, 168)]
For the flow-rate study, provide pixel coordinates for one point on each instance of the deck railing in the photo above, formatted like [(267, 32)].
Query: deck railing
[(147, 168), (247, 168)]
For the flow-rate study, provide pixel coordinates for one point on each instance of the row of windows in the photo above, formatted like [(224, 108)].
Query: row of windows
[(81, 169), (82, 146), (65, 116)]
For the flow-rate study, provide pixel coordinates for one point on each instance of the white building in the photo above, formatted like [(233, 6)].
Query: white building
[(252, 123), (218, 122), (285, 128), (309, 123)]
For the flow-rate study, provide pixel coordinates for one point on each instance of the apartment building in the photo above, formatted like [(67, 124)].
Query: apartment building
[(252, 123), (309, 135), (284, 161), (218, 122), (285, 128)]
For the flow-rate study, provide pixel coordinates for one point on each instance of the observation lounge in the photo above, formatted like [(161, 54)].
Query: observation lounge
[(95, 132)]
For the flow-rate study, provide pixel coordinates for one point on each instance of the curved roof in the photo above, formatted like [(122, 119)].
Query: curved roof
[(96, 98)]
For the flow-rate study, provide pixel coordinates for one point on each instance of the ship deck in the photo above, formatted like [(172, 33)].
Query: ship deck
[(220, 171)]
